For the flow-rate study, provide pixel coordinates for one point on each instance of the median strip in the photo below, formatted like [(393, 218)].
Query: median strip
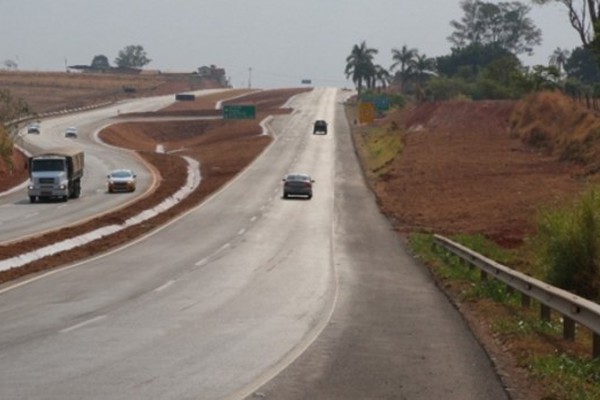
[(193, 181)]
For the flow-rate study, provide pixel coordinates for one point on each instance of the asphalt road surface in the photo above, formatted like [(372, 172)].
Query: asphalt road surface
[(20, 218), (250, 295)]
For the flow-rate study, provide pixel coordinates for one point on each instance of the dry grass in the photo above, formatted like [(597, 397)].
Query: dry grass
[(53, 91), (556, 124)]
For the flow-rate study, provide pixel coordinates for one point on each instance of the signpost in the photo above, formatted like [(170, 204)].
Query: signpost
[(366, 112), (239, 112)]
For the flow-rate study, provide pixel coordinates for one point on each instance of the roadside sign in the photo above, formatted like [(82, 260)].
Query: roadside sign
[(366, 112), (239, 112), (382, 103)]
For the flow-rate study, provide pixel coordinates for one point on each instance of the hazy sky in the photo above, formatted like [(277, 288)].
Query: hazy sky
[(281, 41)]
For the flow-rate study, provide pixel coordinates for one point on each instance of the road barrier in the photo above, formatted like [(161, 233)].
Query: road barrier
[(574, 309)]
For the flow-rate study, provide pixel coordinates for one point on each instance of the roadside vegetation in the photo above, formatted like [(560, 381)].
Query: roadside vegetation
[(563, 248)]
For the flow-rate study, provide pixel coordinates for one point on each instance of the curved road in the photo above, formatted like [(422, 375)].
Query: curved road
[(250, 295), (19, 218)]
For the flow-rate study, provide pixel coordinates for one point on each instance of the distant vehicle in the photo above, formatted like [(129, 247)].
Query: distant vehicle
[(121, 180), (320, 126), (55, 173), (71, 132), (33, 128), (297, 185)]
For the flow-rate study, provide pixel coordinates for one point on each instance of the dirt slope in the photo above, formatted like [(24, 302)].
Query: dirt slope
[(462, 170)]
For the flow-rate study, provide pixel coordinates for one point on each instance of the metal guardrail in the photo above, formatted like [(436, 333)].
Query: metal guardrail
[(574, 309)]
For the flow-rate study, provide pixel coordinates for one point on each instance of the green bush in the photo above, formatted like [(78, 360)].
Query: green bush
[(568, 245)]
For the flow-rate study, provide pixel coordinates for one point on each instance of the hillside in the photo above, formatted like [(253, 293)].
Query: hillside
[(471, 167), (483, 167), (53, 91)]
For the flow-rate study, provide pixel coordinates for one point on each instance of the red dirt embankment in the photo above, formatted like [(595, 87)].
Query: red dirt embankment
[(223, 148), (464, 169)]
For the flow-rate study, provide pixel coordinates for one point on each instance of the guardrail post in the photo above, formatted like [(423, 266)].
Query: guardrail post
[(568, 328), (483, 275), (596, 346), (545, 313), (525, 300)]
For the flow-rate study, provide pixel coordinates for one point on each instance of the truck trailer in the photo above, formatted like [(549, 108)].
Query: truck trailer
[(55, 173)]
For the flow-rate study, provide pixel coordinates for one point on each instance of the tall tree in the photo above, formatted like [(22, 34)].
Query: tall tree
[(133, 56), (505, 23), (10, 64), (469, 61), (423, 68), (403, 58), (584, 16), (582, 66), (100, 62), (359, 65), (559, 58), (382, 76)]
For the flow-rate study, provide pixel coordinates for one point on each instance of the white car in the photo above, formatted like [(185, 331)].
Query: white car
[(33, 128), (71, 132), (121, 180)]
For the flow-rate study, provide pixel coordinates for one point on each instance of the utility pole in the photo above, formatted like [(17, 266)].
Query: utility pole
[(250, 78)]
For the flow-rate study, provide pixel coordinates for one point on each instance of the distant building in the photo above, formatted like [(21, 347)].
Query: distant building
[(214, 73)]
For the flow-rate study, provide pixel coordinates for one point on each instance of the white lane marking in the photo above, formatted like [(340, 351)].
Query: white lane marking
[(225, 247), (202, 262), (206, 259), (163, 287), (241, 232), (82, 324), (253, 218)]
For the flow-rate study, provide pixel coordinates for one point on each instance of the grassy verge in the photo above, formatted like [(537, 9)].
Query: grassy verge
[(563, 369), (532, 351), (377, 145)]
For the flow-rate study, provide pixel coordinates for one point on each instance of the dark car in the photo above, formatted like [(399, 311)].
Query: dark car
[(320, 126), (297, 185)]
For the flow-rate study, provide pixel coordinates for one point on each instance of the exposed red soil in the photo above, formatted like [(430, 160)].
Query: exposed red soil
[(14, 173), (223, 148), (462, 171)]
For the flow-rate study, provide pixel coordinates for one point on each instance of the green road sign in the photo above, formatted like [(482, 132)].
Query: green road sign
[(382, 103), (239, 112)]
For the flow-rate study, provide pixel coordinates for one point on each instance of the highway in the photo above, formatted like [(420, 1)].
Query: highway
[(250, 295), (19, 218)]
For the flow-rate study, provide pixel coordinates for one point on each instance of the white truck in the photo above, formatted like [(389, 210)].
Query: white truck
[(55, 173)]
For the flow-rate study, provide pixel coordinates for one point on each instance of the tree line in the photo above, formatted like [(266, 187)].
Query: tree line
[(483, 62)]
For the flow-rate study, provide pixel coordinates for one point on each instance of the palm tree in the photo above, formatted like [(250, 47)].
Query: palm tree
[(381, 75), (423, 67), (559, 58), (403, 58), (359, 65)]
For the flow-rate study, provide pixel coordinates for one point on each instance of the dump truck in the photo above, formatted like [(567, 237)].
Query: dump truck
[(55, 173)]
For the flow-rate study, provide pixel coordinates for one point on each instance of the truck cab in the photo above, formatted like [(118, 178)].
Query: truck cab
[(55, 174)]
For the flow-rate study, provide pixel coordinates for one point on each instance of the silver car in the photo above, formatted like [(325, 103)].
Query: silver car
[(297, 184), (33, 128), (71, 132), (121, 180)]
